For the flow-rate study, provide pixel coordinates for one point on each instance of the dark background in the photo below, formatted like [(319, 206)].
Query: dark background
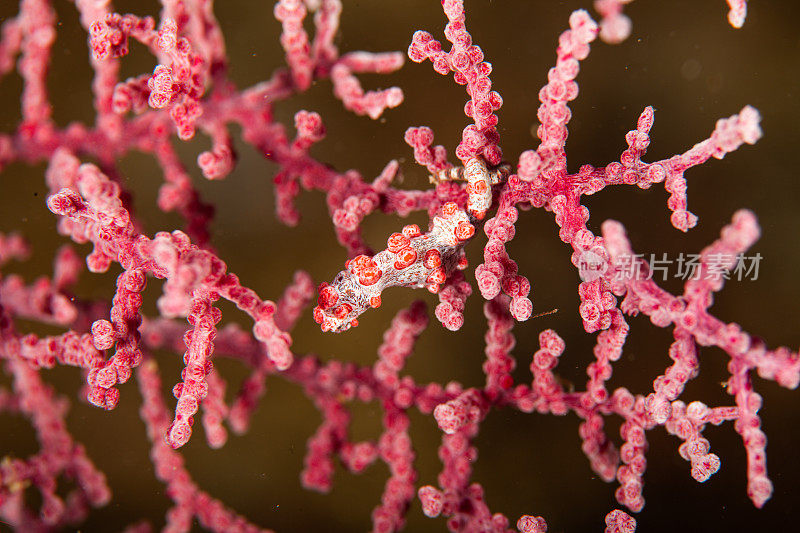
[(682, 58)]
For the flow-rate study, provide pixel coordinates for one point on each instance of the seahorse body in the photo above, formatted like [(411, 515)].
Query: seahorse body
[(412, 259)]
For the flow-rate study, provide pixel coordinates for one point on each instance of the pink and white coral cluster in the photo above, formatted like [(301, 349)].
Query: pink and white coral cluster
[(118, 339)]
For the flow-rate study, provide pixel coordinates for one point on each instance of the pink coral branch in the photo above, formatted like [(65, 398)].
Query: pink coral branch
[(738, 12), (59, 456), (465, 60), (189, 500)]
